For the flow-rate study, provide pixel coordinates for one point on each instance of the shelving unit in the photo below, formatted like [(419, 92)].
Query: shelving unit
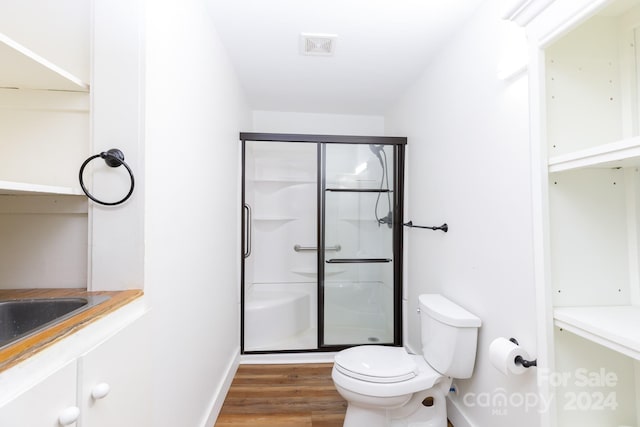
[(44, 137), (593, 157)]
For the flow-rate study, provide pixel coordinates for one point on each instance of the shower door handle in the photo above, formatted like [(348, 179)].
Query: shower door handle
[(247, 231)]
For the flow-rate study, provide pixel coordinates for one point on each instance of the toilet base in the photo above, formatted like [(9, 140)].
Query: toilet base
[(357, 416), (426, 408)]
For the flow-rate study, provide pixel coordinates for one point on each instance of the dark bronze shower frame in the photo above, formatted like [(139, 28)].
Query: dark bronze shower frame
[(398, 197)]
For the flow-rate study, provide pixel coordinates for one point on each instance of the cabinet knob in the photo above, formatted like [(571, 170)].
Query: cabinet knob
[(100, 390), (69, 415)]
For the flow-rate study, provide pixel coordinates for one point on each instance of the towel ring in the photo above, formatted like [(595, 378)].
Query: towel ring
[(112, 158)]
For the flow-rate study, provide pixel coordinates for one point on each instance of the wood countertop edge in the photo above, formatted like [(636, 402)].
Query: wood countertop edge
[(27, 347)]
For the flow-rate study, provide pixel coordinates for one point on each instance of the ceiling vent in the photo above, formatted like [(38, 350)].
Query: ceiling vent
[(317, 44)]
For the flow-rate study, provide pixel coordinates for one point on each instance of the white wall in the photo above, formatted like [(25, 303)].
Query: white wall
[(469, 165), (317, 123), (194, 111)]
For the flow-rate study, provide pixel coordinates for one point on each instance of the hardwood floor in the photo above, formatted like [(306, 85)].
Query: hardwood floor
[(283, 396)]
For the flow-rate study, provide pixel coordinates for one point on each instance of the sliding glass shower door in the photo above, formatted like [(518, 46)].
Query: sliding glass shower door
[(322, 238), (358, 217), (280, 246)]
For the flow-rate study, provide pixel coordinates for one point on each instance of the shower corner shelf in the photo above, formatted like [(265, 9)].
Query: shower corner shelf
[(313, 272), (353, 183), (284, 181), (353, 219)]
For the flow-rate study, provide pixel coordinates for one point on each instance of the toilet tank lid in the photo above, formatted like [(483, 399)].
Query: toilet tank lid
[(448, 312)]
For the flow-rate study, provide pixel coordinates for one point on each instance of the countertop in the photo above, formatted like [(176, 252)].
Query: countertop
[(25, 348)]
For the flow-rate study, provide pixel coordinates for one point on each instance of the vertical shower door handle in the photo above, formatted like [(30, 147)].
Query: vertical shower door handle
[(247, 231)]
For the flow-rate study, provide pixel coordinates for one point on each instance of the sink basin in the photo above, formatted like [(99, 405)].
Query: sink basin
[(22, 317)]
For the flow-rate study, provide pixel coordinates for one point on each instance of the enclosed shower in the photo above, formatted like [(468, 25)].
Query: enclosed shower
[(322, 239)]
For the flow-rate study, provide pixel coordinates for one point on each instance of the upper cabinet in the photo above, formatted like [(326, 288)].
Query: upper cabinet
[(44, 95)]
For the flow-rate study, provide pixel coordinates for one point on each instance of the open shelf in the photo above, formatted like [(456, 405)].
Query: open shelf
[(312, 272), (623, 153), (615, 327), (24, 69), (21, 188), (272, 185)]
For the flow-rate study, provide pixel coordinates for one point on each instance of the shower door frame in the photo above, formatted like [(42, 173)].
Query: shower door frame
[(398, 214)]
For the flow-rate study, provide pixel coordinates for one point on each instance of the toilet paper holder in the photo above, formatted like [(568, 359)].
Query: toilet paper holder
[(520, 360)]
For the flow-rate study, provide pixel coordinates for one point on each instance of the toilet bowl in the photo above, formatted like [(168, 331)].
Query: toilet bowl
[(387, 386)]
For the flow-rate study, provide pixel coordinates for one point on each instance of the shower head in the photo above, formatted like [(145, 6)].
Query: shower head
[(376, 149)]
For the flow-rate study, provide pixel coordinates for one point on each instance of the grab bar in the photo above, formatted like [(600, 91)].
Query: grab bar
[(300, 248), (357, 260)]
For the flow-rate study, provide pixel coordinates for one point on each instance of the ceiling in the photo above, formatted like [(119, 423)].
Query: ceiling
[(382, 47)]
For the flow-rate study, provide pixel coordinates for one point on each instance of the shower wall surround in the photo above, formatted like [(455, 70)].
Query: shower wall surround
[(321, 241)]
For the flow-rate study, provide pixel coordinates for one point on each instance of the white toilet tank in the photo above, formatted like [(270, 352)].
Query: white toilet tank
[(449, 336)]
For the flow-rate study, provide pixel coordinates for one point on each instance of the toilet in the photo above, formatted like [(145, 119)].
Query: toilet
[(387, 386)]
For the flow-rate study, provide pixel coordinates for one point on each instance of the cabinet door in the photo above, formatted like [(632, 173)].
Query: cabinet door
[(115, 380), (43, 404)]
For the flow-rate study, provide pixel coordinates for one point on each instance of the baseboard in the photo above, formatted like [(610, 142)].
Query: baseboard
[(456, 416), (218, 398), (278, 358)]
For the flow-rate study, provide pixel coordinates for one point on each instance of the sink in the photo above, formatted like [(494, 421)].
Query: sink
[(20, 318)]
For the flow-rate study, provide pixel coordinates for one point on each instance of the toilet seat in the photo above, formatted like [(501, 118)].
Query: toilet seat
[(426, 378), (376, 364)]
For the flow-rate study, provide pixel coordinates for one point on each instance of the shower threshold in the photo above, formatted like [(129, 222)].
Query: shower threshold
[(307, 341)]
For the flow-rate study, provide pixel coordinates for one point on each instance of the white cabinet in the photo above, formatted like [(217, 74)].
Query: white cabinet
[(115, 379), (592, 155), (43, 404), (108, 385)]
